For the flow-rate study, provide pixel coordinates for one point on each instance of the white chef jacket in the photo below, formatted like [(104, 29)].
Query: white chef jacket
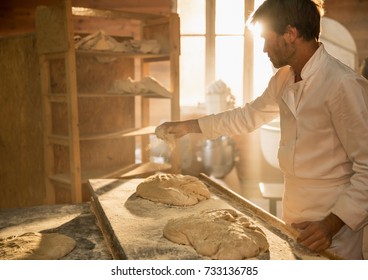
[(323, 151)]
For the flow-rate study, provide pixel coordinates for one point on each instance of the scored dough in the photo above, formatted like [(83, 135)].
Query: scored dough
[(219, 234), (173, 189), (36, 246)]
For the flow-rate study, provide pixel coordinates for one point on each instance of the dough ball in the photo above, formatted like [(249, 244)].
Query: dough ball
[(173, 189), (219, 234)]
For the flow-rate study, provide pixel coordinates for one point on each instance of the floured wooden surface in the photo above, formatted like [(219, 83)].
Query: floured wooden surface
[(75, 221), (36, 246), (135, 225)]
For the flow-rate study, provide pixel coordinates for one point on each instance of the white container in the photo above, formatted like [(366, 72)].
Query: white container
[(219, 98), (270, 139), (216, 103)]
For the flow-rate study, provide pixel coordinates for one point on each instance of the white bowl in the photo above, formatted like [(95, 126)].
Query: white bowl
[(270, 139)]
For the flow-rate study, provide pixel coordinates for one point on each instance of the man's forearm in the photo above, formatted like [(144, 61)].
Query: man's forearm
[(192, 126)]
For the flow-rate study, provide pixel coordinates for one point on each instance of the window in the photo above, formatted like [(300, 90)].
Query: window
[(192, 59), (213, 47)]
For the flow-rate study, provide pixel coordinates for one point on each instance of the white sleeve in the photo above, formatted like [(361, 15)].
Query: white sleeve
[(350, 118), (243, 119)]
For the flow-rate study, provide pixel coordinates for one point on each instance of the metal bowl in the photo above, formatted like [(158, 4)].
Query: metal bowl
[(218, 156)]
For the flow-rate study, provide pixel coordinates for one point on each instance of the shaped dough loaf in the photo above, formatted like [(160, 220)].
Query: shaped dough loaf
[(173, 189), (218, 234)]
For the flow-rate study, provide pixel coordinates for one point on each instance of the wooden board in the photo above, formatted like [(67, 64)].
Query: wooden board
[(75, 221), (133, 226), (21, 141)]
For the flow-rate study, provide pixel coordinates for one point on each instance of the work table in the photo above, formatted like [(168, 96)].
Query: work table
[(76, 221)]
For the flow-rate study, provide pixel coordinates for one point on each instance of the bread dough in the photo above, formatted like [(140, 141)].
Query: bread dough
[(173, 189), (219, 234), (36, 246)]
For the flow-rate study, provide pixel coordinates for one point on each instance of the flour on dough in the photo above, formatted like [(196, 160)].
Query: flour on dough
[(36, 246), (219, 234), (173, 189)]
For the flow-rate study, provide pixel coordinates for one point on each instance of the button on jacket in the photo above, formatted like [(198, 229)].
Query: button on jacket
[(323, 150)]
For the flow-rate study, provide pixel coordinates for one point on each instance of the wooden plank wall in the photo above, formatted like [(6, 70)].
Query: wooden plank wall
[(353, 14), (21, 142), (18, 16)]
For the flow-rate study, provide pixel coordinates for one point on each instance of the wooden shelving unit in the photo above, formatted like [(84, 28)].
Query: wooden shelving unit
[(89, 131)]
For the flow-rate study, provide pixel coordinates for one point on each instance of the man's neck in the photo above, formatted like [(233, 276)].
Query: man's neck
[(306, 50)]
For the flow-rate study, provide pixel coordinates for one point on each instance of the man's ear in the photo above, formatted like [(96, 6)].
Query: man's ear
[(291, 33)]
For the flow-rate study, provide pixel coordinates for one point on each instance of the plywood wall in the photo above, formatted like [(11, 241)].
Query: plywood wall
[(353, 14), (21, 142)]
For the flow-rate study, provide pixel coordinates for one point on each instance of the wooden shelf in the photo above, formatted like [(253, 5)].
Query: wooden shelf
[(62, 98), (63, 140), (113, 14), (78, 96), (129, 171), (64, 178), (120, 134), (145, 169), (57, 98), (122, 94), (155, 57), (59, 139)]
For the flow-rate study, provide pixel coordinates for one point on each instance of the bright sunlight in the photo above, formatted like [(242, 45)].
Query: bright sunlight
[(262, 69)]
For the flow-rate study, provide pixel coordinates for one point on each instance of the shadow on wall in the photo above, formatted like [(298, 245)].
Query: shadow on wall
[(364, 68)]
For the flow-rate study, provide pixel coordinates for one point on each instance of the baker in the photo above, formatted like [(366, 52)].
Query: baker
[(322, 105)]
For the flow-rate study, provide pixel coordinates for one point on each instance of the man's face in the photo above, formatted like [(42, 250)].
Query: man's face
[(277, 47)]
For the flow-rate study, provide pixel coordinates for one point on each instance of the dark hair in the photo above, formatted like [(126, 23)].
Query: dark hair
[(304, 15)]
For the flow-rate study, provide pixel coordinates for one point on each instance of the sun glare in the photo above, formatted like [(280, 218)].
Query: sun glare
[(256, 29), (228, 52), (262, 68)]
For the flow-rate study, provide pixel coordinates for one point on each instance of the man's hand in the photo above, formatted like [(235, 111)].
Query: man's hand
[(177, 129), (317, 236)]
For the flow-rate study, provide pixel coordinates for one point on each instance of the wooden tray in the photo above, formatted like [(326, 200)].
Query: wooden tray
[(133, 226)]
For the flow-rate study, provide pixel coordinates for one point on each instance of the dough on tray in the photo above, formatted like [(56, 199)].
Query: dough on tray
[(173, 189), (219, 234)]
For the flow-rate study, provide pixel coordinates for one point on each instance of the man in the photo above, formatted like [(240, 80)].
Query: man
[(322, 105)]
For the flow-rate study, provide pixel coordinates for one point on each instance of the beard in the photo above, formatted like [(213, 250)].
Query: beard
[(277, 63), (282, 56)]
